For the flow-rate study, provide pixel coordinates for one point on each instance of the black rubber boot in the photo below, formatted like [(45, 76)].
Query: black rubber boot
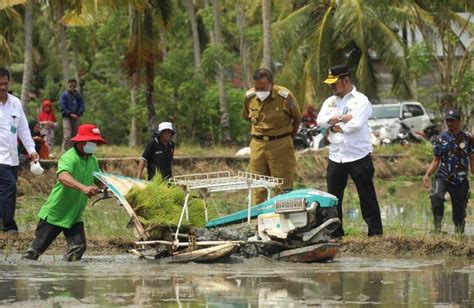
[(31, 254), (459, 227), (438, 221)]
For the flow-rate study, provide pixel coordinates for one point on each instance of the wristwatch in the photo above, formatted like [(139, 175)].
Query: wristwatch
[(340, 118)]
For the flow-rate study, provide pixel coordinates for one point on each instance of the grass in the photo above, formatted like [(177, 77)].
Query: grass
[(421, 151), (182, 149)]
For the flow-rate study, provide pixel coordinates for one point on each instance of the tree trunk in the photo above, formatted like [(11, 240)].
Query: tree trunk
[(223, 108), (244, 52), (75, 61), (28, 64), (164, 51), (62, 41), (133, 135), (150, 74), (267, 34), (194, 27), (413, 81)]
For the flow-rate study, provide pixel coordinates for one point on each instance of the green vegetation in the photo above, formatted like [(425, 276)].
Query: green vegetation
[(160, 204), (141, 62)]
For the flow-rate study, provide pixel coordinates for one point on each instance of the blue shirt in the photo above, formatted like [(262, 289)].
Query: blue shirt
[(454, 153), (71, 103)]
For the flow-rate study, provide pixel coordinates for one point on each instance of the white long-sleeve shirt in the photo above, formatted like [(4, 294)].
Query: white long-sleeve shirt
[(13, 125), (356, 134)]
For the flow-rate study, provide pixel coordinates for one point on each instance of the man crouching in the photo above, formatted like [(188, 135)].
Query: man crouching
[(63, 211)]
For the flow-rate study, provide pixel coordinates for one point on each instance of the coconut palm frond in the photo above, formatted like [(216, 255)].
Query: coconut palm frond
[(389, 47), (5, 52), (163, 9), (288, 34), (73, 19), (323, 51), (9, 3), (291, 74), (366, 76), (139, 51)]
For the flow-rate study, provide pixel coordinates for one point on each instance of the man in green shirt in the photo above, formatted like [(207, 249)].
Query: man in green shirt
[(63, 211)]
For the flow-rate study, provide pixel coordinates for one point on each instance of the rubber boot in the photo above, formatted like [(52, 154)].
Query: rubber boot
[(438, 221), (459, 227)]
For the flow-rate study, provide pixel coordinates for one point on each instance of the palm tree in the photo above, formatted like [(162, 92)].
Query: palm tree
[(267, 33), (28, 55), (437, 22), (59, 8), (243, 46), (189, 5), (329, 32), (223, 108), (9, 18), (141, 56)]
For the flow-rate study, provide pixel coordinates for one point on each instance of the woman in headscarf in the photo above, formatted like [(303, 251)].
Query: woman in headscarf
[(40, 143), (47, 121)]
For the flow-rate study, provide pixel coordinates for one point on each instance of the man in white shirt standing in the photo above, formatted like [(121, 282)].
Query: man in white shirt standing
[(346, 114), (13, 125)]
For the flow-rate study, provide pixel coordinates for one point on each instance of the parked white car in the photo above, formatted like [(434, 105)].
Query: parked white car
[(386, 119)]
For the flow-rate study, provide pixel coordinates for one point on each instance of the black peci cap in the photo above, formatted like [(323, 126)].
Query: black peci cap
[(337, 71)]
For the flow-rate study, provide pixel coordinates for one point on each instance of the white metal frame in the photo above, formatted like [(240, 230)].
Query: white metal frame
[(222, 181)]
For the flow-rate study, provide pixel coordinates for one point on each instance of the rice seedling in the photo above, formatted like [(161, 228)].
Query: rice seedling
[(160, 203)]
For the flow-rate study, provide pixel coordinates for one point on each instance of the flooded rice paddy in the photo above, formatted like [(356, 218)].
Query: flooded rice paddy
[(124, 280), (111, 280)]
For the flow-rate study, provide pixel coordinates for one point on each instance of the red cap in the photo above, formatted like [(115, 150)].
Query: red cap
[(88, 132)]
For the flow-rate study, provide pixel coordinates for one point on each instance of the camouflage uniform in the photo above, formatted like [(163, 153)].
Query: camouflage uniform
[(452, 176), (271, 147)]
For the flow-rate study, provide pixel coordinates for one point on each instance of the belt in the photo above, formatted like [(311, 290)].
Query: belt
[(269, 138)]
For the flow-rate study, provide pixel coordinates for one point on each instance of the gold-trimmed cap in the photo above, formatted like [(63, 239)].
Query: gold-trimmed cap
[(335, 72)]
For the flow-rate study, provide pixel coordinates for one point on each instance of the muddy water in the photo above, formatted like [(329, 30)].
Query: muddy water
[(124, 280)]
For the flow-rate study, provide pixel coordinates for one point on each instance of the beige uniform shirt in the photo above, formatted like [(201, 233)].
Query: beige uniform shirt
[(275, 115)]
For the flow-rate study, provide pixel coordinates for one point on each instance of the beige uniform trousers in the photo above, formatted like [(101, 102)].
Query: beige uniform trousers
[(274, 158)]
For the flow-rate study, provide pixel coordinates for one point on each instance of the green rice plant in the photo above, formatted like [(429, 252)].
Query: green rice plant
[(160, 203)]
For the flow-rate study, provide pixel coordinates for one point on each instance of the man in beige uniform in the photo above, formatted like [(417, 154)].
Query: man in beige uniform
[(275, 117)]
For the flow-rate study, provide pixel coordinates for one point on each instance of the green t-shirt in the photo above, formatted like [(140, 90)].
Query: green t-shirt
[(65, 206)]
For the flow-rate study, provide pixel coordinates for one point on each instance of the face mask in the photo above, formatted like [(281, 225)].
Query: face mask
[(262, 95), (90, 147)]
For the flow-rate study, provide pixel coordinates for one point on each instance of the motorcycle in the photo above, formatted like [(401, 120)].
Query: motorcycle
[(406, 135), (309, 137)]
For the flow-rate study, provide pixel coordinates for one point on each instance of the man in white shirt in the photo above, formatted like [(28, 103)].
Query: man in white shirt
[(13, 125), (346, 114)]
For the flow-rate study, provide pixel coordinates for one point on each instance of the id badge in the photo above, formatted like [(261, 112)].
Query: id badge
[(13, 126)]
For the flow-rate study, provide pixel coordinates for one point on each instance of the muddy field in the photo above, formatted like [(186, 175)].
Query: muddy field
[(260, 282), (409, 265), (405, 207)]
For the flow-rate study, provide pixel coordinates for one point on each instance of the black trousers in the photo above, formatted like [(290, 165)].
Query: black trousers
[(8, 176), (459, 198), (362, 173), (46, 233)]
